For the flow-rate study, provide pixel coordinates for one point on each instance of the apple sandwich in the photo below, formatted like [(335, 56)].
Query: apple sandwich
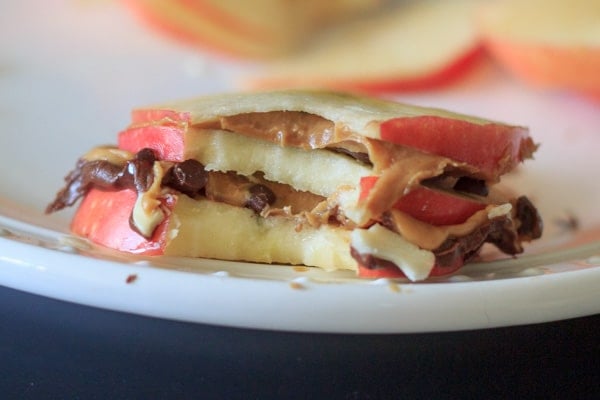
[(324, 179)]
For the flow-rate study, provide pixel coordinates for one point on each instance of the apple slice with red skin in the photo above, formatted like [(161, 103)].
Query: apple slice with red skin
[(166, 141), (550, 67), (414, 46), (445, 75), (493, 148), (436, 207), (103, 217), (158, 129), (450, 73), (431, 206), (547, 43)]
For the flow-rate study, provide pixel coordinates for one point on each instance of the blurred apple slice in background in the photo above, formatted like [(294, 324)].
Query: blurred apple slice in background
[(247, 29), (415, 45), (547, 43)]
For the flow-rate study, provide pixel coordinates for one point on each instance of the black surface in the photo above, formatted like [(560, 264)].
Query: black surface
[(53, 349)]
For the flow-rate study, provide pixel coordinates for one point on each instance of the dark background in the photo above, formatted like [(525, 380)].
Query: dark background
[(54, 349)]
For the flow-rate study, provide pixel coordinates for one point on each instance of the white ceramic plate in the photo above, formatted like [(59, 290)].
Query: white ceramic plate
[(68, 82)]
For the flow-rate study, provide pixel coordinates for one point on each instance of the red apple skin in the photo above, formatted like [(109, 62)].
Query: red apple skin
[(437, 208), (166, 141), (103, 217), (549, 66), (430, 206), (160, 130), (493, 148), (452, 72)]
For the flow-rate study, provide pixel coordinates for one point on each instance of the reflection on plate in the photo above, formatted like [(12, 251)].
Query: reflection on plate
[(62, 93)]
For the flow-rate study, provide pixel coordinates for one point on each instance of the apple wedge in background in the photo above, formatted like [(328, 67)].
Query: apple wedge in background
[(413, 45), (246, 29), (547, 43)]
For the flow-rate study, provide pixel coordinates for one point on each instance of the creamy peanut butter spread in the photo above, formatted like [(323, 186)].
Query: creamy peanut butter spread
[(399, 170)]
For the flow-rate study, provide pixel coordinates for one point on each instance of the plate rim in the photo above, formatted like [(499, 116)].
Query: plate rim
[(396, 306)]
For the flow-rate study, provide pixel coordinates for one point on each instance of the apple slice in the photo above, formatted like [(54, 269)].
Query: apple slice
[(103, 217), (547, 43), (494, 148), (256, 29), (431, 206), (160, 129), (413, 46)]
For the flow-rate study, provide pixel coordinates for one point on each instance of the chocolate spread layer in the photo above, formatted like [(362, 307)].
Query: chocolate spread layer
[(136, 175), (188, 177)]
